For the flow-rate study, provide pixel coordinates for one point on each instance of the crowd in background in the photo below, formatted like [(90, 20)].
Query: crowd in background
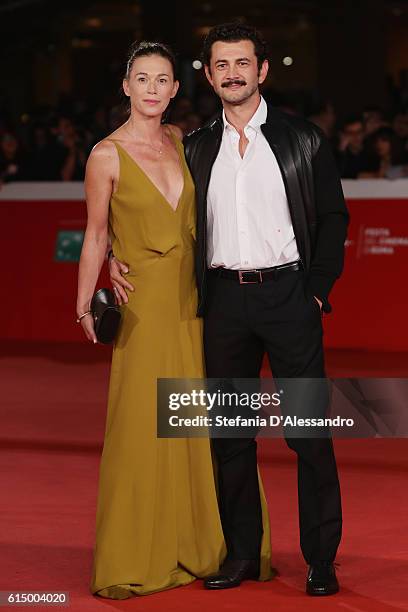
[(52, 144)]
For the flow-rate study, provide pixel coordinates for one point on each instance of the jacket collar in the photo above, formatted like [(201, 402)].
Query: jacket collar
[(216, 123), (272, 128)]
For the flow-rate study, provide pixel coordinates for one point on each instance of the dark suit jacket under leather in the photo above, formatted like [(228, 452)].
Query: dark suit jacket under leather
[(313, 188)]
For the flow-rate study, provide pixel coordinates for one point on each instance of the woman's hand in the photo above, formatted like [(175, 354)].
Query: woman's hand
[(87, 324)]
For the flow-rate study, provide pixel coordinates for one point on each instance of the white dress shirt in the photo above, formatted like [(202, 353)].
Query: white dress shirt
[(248, 220)]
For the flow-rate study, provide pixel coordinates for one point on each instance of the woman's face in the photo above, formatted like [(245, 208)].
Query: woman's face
[(150, 85)]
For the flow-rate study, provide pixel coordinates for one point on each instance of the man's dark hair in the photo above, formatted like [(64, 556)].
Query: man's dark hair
[(351, 120), (234, 32)]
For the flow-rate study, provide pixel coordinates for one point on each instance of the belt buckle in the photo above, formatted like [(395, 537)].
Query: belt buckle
[(244, 282)]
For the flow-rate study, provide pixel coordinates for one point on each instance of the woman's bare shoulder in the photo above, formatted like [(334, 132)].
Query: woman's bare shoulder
[(176, 130), (105, 149)]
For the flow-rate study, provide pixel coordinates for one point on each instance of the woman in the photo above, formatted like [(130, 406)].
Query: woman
[(158, 524), (386, 149)]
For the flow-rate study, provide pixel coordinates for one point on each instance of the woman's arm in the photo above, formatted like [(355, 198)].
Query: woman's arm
[(100, 171)]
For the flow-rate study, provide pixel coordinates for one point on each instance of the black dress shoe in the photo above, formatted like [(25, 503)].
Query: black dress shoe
[(232, 573), (321, 579)]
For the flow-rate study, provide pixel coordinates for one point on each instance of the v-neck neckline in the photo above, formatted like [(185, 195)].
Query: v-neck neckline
[(152, 182)]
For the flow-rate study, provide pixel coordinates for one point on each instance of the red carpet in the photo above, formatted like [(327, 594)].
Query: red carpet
[(53, 411)]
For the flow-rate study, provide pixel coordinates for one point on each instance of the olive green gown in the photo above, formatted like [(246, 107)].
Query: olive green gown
[(157, 520)]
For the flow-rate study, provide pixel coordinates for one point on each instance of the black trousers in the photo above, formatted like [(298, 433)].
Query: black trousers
[(241, 323)]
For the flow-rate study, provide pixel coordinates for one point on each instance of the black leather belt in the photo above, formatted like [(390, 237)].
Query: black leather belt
[(245, 277)]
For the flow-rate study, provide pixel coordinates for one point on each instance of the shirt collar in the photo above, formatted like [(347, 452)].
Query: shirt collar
[(257, 119)]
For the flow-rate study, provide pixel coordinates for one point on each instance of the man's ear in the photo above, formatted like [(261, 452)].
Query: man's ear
[(208, 73), (263, 71)]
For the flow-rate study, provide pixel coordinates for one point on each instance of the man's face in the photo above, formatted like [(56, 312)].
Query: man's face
[(355, 134), (233, 71)]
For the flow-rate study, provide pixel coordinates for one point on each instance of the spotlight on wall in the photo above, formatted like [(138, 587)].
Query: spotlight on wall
[(287, 61), (197, 65)]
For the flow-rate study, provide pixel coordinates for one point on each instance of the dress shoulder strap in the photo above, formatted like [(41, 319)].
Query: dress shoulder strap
[(115, 142)]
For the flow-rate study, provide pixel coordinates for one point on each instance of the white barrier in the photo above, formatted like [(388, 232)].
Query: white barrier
[(361, 189)]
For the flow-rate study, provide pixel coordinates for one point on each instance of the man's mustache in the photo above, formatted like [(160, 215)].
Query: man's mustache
[(234, 82)]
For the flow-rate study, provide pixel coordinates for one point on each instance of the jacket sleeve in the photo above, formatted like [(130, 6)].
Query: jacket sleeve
[(332, 220)]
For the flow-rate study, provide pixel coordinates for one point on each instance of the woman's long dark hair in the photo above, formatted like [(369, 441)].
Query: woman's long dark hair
[(387, 133)]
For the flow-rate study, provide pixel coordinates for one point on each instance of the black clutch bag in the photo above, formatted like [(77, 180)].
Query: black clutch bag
[(106, 315)]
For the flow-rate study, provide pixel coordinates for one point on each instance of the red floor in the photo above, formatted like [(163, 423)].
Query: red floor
[(53, 410)]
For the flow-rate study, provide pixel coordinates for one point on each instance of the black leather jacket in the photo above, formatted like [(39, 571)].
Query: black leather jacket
[(313, 188)]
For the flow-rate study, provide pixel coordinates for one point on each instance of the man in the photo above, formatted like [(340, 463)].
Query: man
[(351, 155), (271, 226)]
